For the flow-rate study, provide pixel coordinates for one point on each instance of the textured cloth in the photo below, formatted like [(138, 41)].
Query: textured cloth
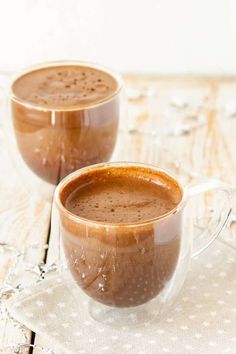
[(202, 320)]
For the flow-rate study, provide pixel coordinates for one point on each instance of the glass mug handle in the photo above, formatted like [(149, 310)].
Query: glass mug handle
[(221, 213)]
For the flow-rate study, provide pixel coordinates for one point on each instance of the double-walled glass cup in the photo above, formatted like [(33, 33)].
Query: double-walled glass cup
[(55, 139), (132, 272)]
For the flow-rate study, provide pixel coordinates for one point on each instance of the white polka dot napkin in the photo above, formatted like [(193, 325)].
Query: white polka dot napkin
[(202, 321)]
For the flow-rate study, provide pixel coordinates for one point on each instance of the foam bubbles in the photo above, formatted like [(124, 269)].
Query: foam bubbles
[(65, 85)]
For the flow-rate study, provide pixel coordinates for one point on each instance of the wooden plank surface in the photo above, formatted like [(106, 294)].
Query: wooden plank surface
[(201, 106)]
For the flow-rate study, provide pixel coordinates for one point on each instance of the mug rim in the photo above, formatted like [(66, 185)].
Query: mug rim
[(67, 62), (76, 218)]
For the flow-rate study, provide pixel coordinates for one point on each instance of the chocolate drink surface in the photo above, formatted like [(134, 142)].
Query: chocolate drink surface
[(120, 242), (65, 117)]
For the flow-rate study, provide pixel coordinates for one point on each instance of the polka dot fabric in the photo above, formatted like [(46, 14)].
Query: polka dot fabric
[(202, 320)]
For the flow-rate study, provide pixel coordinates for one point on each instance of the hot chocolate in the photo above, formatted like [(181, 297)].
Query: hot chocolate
[(120, 196), (65, 117), (67, 86), (121, 245)]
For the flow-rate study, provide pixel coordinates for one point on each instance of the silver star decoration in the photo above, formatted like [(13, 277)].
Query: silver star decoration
[(230, 110), (7, 290), (7, 247), (21, 347), (42, 269), (179, 103), (135, 94)]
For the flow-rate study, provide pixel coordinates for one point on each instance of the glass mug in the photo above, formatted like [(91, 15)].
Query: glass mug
[(56, 138), (132, 272)]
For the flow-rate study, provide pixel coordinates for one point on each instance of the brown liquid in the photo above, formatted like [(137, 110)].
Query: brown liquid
[(119, 265), (66, 86), (65, 117), (120, 198)]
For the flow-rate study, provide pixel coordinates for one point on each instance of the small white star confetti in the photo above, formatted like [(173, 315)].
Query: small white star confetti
[(73, 314), (206, 324), (174, 338), (184, 328), (114, 337), (61, 305), (77, 333), (65, 325), (51, 315), (29, 314)]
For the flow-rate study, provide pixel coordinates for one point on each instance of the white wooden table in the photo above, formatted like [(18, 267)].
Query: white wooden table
[(207, 149)]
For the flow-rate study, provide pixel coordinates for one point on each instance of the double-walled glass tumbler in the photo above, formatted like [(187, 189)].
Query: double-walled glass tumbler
[(132, 271)]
